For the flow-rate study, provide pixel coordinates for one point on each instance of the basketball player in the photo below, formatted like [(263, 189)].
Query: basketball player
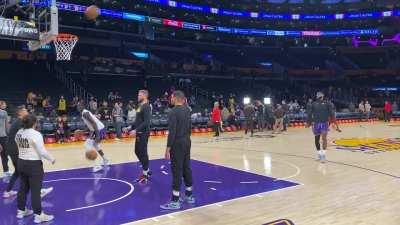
[(178, 151), (30, 166), (97, 133), (318, 116), (12, 151), (142, 133)]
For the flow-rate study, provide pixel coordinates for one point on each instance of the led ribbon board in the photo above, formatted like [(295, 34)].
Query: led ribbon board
[(204, 27), (275, 16)]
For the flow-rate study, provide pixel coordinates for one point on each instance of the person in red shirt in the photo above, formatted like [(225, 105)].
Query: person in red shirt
[(387, 111), (216, 118)]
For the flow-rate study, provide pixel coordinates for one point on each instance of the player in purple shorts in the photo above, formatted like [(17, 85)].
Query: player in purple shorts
[(97, 133), (318, 114)]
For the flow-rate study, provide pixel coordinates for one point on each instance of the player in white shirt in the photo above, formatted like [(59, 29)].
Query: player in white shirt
[(30, 167), (97, 133)]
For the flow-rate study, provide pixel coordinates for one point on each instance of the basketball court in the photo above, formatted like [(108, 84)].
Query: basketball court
[(266, 179), (238, 180)]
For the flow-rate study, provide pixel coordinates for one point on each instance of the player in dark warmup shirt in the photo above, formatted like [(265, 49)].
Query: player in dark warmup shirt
[(318, 116), (178, 151), (142, 133)]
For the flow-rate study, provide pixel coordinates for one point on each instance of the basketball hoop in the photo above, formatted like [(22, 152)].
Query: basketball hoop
[(64, 44)]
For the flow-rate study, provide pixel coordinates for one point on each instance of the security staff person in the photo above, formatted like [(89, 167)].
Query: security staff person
[(178, 150), (142, 133), (30, 166)]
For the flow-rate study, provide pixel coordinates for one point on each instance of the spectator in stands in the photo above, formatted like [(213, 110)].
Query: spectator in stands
[(80, 106), (157, 105), (72, 107), (93, 105), (62, 106), (111, 96), (105, 112), (216, 118), (352, 107), (225, 115), (131, 113), (118, 118), (165, 99), (395, 107), (61, 129), (232, 103), (367, 110), (39, 98), (47, 107), (387, 111), (30, 98), (117, 96), (361, 107)]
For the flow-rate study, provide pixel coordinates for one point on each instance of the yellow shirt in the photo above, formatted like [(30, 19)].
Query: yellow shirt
[(62, 105)]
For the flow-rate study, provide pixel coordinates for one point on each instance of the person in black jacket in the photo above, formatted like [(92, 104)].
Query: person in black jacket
[(178, 151), (142, 133)]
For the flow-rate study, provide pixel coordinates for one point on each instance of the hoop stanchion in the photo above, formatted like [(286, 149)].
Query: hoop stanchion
[(64, 44)]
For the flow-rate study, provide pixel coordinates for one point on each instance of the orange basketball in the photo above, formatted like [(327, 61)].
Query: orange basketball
[(91, 155), (92, 12)]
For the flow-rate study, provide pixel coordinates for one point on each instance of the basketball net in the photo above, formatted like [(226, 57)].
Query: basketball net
[(64, 44)]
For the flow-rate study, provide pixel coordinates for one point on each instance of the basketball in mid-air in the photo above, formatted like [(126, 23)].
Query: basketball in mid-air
[(92, 12), (91, 155)]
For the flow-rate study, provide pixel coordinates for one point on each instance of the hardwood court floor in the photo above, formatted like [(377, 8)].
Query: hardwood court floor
[(353, 188)]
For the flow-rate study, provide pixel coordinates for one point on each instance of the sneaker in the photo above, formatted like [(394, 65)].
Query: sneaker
[(45, 191), (323, 159), (318, 157), (8, 174), (97, 168), (190, 199), (9, 194), (21, 214), (43, 218), (106, 162), (171, 206), (143, 179)]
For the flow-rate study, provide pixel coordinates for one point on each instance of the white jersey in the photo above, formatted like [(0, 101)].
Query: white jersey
[(31, 145), (99, 124)]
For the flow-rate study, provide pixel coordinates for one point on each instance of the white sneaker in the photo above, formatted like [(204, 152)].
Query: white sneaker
[(106, 162), (97, 168), (9, 194), (323, 159), (8, 174), (45, 191), (43, 218), (21, 214)]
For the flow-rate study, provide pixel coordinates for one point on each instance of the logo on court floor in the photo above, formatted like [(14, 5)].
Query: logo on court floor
[(368, 145), (280, 222)]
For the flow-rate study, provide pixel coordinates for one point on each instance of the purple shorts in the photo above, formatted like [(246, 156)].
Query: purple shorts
[(102, 134), (320, 128)]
